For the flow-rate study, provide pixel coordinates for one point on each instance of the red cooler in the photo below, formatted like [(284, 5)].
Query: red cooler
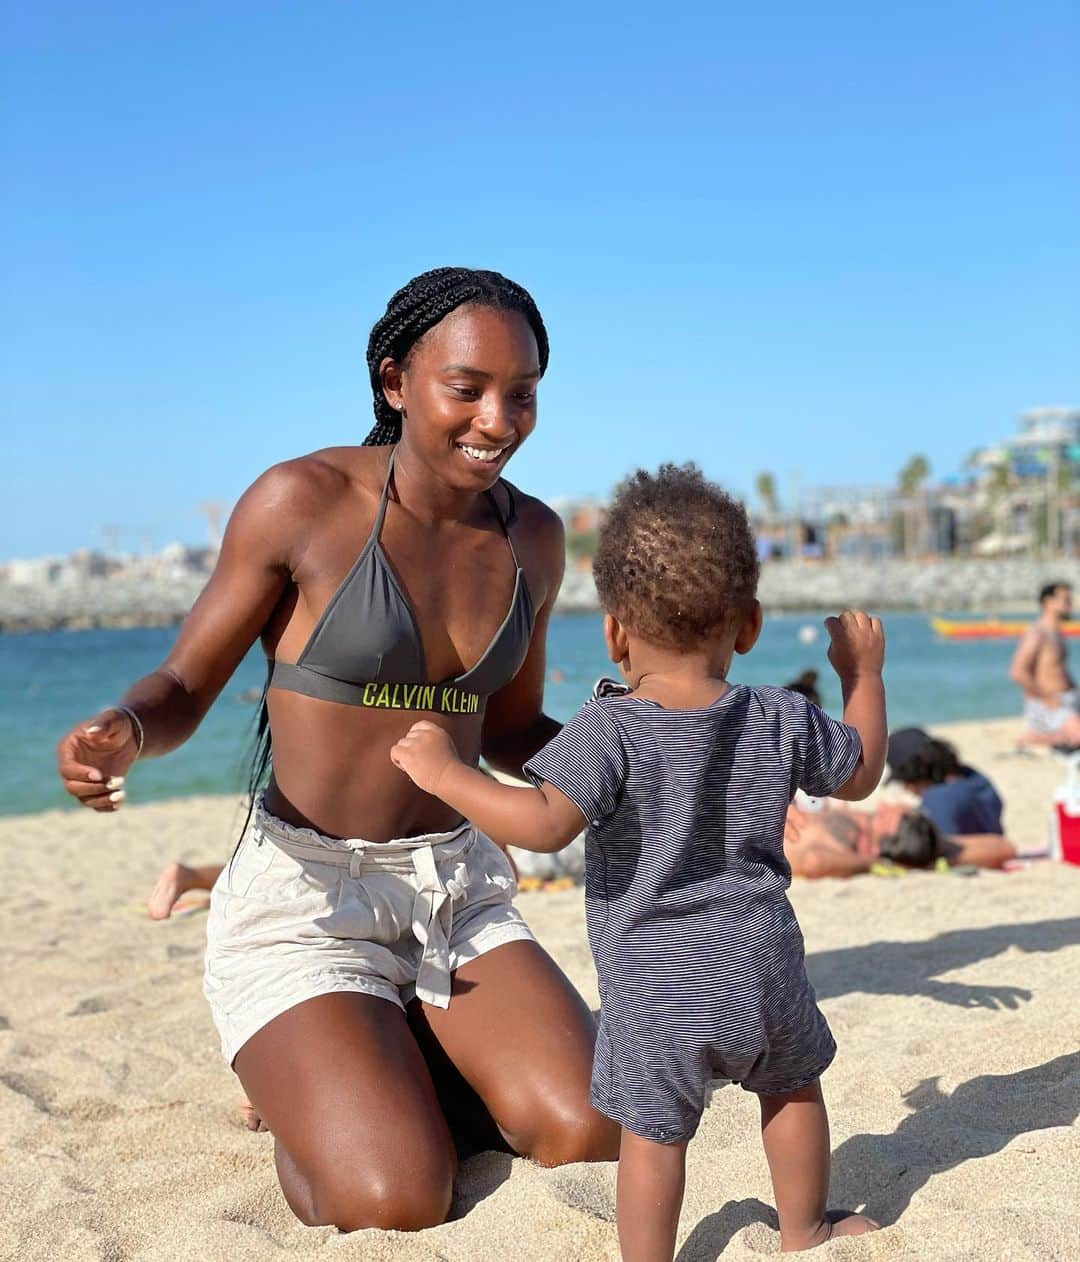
[(1065, 820)]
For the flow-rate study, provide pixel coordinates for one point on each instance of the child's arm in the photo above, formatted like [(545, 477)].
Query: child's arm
[(540, 819), (857, 654)]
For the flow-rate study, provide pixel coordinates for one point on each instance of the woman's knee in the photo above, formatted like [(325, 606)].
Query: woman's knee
[(352, 1200), (558, 1133)]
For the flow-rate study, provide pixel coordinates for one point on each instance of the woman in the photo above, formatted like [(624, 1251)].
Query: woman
[(385, 581)]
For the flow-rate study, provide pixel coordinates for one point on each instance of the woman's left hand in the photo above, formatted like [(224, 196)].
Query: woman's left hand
[(424, 753)]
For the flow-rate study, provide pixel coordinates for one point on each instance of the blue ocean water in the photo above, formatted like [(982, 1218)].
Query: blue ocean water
[(48, 681)]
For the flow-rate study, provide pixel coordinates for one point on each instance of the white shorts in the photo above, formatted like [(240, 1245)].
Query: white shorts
[(296, 915), (1047, 719)]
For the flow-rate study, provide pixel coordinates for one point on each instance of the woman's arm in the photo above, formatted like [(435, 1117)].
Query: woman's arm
[(541, 819), (234, 607), (979, 850), (515, 725)]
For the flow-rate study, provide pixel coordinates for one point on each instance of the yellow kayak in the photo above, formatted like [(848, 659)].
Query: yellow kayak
[(989, 629)]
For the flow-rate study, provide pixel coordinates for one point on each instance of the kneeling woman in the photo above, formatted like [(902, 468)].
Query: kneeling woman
[(363, 936)]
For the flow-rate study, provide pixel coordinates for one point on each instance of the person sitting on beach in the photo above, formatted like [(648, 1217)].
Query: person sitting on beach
[(806, 685), (369, 976), (683, 780), (1040, 668), (961, 805)]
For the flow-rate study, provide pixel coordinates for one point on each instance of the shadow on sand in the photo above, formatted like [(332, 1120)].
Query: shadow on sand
[(911, 968), (883, 1172)]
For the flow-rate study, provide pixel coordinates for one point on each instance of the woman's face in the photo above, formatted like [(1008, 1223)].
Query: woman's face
[(469, 393)]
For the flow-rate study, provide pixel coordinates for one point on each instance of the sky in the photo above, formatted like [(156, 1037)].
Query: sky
[(804, 239)]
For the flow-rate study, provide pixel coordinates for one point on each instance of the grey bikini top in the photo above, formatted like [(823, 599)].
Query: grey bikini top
[(366, 648)]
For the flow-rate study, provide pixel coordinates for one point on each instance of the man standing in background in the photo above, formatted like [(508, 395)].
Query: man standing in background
[(1039, 667)]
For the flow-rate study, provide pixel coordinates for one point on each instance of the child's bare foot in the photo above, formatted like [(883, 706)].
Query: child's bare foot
[(836, 1223), (174, 880), (250, 1117)]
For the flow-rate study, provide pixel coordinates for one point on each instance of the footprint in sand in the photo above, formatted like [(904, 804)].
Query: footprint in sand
[(87, 1007)]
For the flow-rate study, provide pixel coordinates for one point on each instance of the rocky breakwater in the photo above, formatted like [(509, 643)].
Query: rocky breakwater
[(986, 586), (98, 602)]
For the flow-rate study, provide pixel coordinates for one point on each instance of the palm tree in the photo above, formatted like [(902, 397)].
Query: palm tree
[(765, 486), (910, 481), (914, 474)]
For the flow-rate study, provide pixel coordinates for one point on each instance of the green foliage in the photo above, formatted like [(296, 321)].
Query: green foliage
[(914, 474), (765, 486), (581, 544)]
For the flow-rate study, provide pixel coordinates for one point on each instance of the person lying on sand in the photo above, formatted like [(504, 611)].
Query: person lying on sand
[(960, 805)]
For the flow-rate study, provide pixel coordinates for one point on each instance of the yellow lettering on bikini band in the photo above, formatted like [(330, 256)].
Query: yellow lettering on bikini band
[(439, 698)]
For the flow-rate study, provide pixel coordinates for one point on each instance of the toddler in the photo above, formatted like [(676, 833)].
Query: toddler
[(684, 781)]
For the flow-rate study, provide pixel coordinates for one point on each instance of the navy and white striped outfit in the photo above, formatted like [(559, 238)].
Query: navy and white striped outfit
[(698, 952)]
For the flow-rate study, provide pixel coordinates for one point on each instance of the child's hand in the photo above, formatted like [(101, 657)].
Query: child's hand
[(858, 644), (424, 753)]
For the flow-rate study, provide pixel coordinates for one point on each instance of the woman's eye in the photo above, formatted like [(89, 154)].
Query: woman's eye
[(525, 396), (465, 392)]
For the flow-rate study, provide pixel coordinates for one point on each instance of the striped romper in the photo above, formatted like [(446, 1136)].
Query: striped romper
[(698, 953)]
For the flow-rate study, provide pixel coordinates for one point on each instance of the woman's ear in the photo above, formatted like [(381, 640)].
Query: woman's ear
[(618, 646), (748, 633), (393, 383)]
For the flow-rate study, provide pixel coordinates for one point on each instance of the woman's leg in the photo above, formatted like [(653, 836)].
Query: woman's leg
[(361, 1141), (522, 1038), (650, 1191)]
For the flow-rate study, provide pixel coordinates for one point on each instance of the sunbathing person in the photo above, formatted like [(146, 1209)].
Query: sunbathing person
[(960, 804)]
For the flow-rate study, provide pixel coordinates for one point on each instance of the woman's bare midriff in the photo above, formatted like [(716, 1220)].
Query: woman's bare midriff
[(332, 769)]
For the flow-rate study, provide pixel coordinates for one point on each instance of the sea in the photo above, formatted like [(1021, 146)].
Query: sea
[(50, 680)]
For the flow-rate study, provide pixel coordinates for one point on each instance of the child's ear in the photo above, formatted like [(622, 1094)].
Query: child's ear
[(750, 630), (618, 646)]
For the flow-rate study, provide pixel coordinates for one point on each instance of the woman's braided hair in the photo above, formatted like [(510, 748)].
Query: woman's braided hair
[(419, 306)]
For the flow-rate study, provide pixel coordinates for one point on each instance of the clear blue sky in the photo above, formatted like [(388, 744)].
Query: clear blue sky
[(811, 239)]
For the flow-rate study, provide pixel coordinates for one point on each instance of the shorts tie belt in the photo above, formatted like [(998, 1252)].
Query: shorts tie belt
[(435, 860)]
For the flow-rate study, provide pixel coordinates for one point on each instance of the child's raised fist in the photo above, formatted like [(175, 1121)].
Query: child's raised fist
[(857, 644)]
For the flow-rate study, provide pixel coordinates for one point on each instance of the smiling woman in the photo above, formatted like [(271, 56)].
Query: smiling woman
[(364, 933)]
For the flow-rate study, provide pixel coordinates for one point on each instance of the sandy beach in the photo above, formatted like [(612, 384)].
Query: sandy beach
[(953, 1098)]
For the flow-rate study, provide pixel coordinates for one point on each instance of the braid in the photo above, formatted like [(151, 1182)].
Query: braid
[(418, 307)]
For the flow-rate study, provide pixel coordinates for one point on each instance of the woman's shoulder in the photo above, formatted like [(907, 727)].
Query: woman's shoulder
[(539, 538), (317, 479), (530, 515)]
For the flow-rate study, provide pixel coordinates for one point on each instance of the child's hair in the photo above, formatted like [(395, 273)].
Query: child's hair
[(676, 561), (917, 843), (806, 685)]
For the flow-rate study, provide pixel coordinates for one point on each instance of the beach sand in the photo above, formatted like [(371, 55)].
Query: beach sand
[(953, 1098)]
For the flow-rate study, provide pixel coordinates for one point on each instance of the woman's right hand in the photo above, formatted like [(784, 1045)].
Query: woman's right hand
[(94, 757)]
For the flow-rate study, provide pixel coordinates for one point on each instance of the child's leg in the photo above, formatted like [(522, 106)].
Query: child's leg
[(795, 1130), (649, 1197)]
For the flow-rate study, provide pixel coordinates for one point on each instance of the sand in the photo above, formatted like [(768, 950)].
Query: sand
[(953, 1098)]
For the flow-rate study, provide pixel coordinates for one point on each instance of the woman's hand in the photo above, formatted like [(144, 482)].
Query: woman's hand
[(424, 753), (94, 757)]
